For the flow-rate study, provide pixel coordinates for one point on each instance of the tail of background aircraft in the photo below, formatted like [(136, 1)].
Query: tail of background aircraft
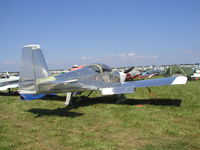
[(33, 66)]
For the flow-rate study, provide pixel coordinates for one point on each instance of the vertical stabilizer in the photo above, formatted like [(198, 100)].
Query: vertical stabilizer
[(33, 66)]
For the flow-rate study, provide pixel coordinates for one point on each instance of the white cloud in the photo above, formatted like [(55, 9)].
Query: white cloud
[(128, 58), (9, 65), (136, 56), (84, 58), (173, 57), (188, 52), (8, 62), (125, 56), (152, 57), (122, 59)]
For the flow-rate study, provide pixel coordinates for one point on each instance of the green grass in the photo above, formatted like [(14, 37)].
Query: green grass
[(169, 120)]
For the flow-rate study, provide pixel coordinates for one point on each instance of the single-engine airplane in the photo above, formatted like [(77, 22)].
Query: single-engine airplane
[(7, 82), (35, 78)]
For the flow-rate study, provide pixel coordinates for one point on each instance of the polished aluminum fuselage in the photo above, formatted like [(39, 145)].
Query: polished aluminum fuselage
[(87, 78)]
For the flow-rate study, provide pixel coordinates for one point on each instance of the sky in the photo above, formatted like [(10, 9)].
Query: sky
[(114, 32)]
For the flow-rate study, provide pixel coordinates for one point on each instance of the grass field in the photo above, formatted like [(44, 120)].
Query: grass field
[(168, 121)]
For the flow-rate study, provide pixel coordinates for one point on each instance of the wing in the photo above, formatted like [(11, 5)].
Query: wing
[(128, 87), (158, 82)]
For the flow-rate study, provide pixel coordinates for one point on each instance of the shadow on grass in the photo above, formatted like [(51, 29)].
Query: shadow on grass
[(157, 102), (12, 93), (63, 112), (113, 99), (105, 100)]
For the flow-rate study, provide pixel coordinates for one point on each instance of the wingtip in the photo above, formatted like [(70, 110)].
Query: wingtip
[(180, 80)]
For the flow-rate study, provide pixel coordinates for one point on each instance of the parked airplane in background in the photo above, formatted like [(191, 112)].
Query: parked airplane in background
[(35, 78), (196, 74), (7, 82)]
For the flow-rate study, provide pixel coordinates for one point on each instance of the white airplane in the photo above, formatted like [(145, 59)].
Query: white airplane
[(7, 82), (196, 74), (35, 78)]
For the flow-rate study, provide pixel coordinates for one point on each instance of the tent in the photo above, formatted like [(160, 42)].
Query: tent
[(177, 70)]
